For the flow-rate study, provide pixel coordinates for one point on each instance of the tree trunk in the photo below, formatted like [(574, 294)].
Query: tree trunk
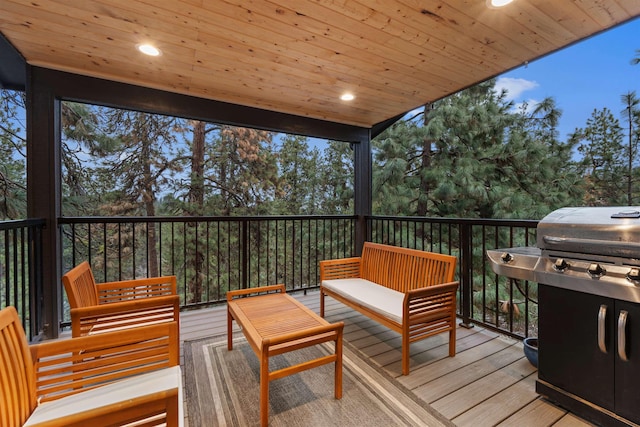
[(148, 197), (425, 162), (195, 257)]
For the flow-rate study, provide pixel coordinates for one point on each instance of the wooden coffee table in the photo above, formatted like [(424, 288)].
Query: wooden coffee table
[(275, 323)]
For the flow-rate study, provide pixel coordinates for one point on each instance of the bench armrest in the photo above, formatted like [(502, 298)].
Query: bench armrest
[(428, 291), (343, 268), (151, 287), (124, 314), (432, 301)]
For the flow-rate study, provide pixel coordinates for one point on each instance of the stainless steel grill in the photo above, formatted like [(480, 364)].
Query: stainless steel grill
[(588, 249), (587, 266)]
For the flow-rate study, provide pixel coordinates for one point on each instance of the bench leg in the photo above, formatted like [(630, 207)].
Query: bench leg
[(321, 303), (264, 390), (405, 353)]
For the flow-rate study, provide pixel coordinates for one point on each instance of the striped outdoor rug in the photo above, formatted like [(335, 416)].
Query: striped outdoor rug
[(222, 389)]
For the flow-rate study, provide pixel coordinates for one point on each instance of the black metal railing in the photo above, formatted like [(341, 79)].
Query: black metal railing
[(210, 255), (20, 267)]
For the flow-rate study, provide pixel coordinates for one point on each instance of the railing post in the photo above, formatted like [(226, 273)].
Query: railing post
[(361, 234), (245, 254), (466, 269), (36, 301)]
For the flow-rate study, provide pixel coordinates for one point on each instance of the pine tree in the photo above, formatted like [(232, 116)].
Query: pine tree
[(13, 179), (603, 159), (337, 179), (473, 155), (631, 114)]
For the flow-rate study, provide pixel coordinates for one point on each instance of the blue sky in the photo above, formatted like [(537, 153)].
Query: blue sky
[(589, 75)]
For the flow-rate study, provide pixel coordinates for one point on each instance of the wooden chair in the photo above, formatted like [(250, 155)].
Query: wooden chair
[(102, 307), (109, 379)]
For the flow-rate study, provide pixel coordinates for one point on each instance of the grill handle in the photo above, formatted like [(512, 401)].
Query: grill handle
[(602, 317), (622, 336), (592, 246)]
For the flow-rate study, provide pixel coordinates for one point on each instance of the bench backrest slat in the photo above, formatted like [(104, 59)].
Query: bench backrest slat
[(404, 269), (17, 381)]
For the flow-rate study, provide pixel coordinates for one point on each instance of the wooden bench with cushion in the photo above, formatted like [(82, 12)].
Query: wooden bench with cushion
[(410, 291), (115, 378), (101, 307)]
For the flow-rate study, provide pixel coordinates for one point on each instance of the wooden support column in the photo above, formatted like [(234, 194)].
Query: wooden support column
[(362, 189), (44, 189)]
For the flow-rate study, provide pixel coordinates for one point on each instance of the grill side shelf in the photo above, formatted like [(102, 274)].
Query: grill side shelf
[(521, 264)]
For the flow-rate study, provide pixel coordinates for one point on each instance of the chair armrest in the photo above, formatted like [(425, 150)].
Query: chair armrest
[(110, 292), (124, 314), (69, 366), (342, 268)]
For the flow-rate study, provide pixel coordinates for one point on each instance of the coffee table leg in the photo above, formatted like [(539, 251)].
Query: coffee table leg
[(229, 330), (264, 390)]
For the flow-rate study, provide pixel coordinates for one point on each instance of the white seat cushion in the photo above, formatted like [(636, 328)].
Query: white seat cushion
[(384, 301), (119, 391)]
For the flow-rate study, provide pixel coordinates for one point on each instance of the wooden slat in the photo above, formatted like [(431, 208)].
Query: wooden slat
[(456, 403), (448, 376), (501, 405), (539, 412)]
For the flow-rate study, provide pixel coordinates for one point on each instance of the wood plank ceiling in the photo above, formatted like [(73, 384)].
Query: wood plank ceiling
[(297, 56)]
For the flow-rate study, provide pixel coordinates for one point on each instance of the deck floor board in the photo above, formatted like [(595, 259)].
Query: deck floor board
[(487, 383)]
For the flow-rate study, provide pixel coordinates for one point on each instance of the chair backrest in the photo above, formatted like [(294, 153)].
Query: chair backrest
[(17, 378), (80, 286), (404, 269)]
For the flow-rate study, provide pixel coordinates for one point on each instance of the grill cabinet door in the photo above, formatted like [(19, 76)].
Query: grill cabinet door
[(628, 372), (569, 356)]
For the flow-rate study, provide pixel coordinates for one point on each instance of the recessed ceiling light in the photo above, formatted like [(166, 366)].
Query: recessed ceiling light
[(148, 49), (498, 3), (347, 97)]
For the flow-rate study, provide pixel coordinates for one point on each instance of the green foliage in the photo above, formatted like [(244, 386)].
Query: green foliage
[(13, 200), (603, 161), (474, 156)]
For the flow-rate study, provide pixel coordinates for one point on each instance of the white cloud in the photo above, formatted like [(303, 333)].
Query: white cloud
[(514, 87)]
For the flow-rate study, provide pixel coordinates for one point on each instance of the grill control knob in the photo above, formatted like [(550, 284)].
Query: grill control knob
[(634, 275), (560, 264), (506, 257), (596, 270)]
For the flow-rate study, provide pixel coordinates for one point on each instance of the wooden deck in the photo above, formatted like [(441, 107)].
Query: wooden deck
[(487, 383)]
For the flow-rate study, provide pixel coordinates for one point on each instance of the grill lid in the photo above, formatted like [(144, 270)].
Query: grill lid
[(608, 231)]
